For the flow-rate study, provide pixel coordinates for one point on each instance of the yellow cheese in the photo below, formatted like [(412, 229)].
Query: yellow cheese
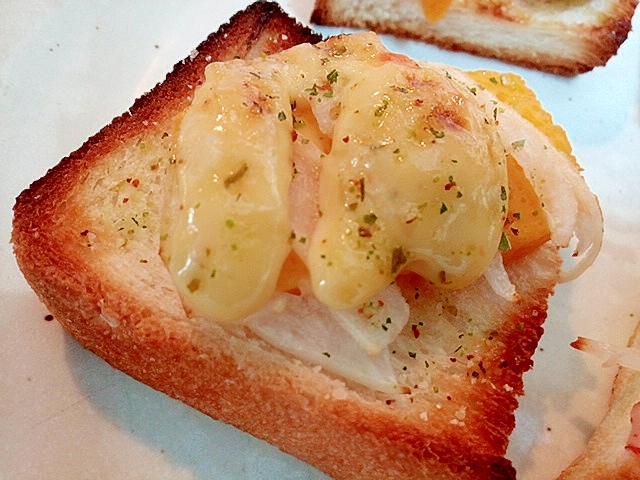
[(229, 236), (413, 177)]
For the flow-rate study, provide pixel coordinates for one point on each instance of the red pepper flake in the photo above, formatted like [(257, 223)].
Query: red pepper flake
[(633, 449), (84, 233), (453, 359), (415, 331), (418, 101), (48, 317), (346, 139), (364, 232), (469, 357), (125, 199), (294, 135), (389, 401), (135, 182)]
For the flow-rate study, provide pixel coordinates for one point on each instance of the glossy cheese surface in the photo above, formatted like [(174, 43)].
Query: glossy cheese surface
[(230, 234), (363, 161)]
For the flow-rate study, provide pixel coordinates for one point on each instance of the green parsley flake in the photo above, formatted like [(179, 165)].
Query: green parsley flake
[(505, 244), (380, 109), (398, 258), (518, 145), (436, 133), (370, 218)]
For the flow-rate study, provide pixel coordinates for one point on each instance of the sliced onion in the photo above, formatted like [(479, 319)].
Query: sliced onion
[(572, 209), (612, 355), (588, 230), (304, 327), (375, 325), (498, 279)]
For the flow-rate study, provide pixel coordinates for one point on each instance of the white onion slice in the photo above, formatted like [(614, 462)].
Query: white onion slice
[(498, 279), (375, 325), (572, 209), (612, 355), (304, 327)]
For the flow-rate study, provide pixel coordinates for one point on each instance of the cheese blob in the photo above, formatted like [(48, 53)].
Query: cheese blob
[(229, 231), (400, 168)]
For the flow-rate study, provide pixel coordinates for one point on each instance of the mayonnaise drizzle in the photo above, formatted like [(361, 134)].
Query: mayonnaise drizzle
[(413, 176)]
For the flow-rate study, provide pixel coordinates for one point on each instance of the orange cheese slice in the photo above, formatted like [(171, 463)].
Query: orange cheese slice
[(526, 226)]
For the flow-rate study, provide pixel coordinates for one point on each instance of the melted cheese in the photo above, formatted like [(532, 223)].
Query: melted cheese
[(229, 234), (403, 184)]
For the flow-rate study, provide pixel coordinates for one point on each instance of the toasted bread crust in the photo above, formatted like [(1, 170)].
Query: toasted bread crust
[(525, 34), (105, 283)]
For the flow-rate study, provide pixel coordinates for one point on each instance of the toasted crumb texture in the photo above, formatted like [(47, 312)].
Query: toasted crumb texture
[(87, 238), (563, 37)]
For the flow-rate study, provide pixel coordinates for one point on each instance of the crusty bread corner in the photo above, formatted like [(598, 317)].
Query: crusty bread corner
[(606, 457), (560, 37), (87, 235)]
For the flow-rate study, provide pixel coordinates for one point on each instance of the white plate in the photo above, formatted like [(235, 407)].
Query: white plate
[(67, 68)]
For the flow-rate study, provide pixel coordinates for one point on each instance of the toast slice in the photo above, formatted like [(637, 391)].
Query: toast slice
[(565, 38), (87, 238), (613, 452)]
